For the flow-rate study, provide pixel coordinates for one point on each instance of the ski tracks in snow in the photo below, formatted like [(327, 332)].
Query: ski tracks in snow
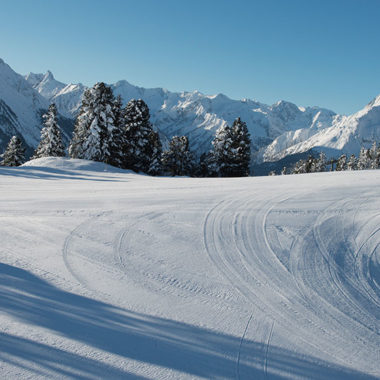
[(235, 238)]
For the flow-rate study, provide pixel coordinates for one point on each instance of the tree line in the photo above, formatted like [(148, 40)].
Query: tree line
[(106, 132), (367, 159)]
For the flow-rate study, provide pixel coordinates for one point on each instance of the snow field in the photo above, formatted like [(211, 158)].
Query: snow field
[(109, 274)]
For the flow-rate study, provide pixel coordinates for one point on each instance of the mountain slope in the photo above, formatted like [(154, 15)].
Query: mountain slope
[(347, 134), (20, 107)]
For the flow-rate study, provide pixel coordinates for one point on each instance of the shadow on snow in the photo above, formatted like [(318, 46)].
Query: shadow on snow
[(189, 349), (40, 172)]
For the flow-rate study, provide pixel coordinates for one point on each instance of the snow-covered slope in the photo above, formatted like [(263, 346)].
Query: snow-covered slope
[(20, 107), (105, 274)]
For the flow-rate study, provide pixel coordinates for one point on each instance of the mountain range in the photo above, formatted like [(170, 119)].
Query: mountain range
[(277, 131)]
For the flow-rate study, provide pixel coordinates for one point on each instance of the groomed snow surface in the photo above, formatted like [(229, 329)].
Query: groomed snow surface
[(109, 274)]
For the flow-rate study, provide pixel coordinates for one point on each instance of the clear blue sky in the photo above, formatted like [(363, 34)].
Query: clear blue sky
[(324, 52)]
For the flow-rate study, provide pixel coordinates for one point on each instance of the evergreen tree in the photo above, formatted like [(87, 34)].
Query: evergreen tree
[(283, 171), (351, 164), (241, 149), (116, 135), (155, 164), (95, 127), (374, 157), (51, 138), (221, 155), (232, 150), (341, 163), (14, 154), (204, 167), (138, 135), (310, 165), (320, 164), (364, 160), (178, 160), (300, 167)]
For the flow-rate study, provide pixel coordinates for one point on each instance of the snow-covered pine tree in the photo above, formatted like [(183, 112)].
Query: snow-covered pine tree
[(341, 163), (138, 152), (364, 160), (300, 167), (221, 155), (310, 164), (178, 160), (320, 163), (232, 150), (14, 154), (241, 149), (95, 128), (351, 164), (116, 133), (374, 156), (283, 171), (51, 139), (155, 164)]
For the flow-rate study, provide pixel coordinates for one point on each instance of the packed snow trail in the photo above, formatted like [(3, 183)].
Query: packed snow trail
[(109, 274)]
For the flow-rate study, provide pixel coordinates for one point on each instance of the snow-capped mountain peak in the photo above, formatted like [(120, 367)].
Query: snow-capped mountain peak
[(45, 84)]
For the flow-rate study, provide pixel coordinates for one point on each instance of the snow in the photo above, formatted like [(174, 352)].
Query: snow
[(24, 102), (108, 274)]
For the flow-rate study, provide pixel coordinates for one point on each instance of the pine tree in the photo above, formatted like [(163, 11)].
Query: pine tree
[(221, 155), (138, 152), (374, 157), (205, 165), (116, 135), (341, 163), (178, 160), (320, 164), (300, 167), (155, 164), (283, 171), (241, 149), (310, 165), (51, 139), (14, 154), (232, 150), (351, 164), (95, 129), (364, 159)]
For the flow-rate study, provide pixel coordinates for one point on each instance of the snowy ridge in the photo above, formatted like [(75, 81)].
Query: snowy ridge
[(20, 108), (346, 134), (111, 274)]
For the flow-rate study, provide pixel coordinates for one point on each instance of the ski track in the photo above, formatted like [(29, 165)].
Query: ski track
[(244, 262), (240, 347), (258, 273)]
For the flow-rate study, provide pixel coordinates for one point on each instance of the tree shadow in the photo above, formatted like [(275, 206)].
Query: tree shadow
[(40, 172), (45, 360), (165, 343)]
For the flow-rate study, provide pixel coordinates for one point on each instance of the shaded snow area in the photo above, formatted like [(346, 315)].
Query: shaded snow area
[(106, 274)]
